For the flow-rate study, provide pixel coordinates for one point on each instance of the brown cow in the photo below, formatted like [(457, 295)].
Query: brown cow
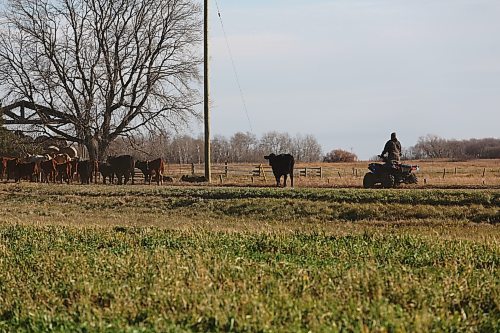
[(4, 166), (62, 158), (149, 167), (27, 170)]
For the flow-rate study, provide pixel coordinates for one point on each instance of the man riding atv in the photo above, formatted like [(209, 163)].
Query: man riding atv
[(391, 173), (393, 149)]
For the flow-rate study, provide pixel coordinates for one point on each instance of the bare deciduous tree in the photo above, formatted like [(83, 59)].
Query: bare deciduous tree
[(103, 68), (242, 147), (220, 149), (274, 142), (306, 149), (433, 146)]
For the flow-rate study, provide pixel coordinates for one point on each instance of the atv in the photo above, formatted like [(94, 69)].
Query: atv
[(389, 174)]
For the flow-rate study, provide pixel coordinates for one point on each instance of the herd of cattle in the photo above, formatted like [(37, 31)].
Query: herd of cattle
[(63, 168)]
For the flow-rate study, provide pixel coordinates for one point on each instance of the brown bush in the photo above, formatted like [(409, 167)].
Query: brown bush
[(339, 155)]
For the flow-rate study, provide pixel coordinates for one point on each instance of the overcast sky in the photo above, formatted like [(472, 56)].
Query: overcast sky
[(352, 71)]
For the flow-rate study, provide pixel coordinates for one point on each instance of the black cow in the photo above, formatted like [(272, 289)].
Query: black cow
[(49, 170), (106, 172), (84, 171), (30, 170), (10, 168), (282, 166), (64, 172), (123, 167)]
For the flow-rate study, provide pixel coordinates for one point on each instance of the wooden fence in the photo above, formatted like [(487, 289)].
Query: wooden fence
[(343, 173)]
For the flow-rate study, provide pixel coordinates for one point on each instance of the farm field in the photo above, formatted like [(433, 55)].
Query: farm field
[(432, 174), (181, 259)]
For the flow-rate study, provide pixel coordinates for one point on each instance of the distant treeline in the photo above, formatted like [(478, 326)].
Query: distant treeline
[(247, 147), (433, 146), (239, 148)]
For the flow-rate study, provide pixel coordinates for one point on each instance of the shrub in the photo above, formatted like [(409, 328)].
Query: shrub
[(339, 155)]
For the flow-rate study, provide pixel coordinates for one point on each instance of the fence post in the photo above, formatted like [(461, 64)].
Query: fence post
[(220, 178), (444, 173), (262, 172), (320, 172), (225, 169), (484, 171), (192, 168)]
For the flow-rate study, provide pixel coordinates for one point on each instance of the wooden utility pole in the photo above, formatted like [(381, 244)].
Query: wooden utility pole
[(206, 107)]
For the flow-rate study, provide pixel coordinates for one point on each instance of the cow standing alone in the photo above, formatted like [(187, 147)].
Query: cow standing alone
[(282, 165)]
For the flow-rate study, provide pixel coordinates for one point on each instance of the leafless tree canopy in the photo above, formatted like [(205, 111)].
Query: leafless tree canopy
[(104, 68), (239, 148), (433, 146)]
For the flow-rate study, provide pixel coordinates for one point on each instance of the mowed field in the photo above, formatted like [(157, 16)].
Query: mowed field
[(432, 174), (248, 259)]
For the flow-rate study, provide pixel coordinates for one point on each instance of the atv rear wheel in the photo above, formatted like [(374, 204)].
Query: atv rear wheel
[(369, 180), (388, 181), (411, 179)]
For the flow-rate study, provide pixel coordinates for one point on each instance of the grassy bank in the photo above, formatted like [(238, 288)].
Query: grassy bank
[(114, 259), (115, 279), (80, 205)]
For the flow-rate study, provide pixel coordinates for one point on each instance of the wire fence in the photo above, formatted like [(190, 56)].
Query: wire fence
[(343, 174)]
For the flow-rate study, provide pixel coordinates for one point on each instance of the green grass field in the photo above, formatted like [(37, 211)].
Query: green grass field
[(136, 258)]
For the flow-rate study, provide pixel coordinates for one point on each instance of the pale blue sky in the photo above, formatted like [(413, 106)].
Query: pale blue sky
[(352, 71)]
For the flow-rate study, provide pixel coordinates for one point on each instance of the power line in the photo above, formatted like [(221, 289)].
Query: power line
[(234, 67)]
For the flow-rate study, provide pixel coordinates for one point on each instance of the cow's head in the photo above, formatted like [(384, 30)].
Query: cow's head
[(142, 165), (270, 157)]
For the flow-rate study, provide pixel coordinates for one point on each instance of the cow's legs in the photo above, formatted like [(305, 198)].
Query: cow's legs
[(285, 177), (278, 181), (291, 178), (159, 177)]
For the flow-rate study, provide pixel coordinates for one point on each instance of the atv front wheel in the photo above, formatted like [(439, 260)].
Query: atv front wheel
[(369, 180)]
